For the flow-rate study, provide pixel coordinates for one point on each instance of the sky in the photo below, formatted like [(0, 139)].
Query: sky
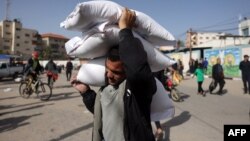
[(177, 16)]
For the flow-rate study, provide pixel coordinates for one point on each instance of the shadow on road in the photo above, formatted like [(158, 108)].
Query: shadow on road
[(63, 86), (14, 122), (72, 132), (13, 97), (178, 120), (18, 106), (29, 108), (63, 96)]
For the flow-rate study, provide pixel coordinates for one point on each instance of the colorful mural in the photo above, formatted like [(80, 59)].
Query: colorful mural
[(230, 59)]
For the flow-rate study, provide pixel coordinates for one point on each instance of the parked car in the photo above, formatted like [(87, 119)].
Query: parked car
[(7, 70)]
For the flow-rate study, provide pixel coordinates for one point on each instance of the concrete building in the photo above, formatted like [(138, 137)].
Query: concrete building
[(53, 45), (14, 39), (244, 27), (209, 39), (218, 39)]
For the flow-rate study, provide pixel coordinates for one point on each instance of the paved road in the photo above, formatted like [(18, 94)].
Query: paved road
[(65, 118)]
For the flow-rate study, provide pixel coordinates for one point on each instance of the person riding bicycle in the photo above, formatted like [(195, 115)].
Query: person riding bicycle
[(51, 70), (33, 67)]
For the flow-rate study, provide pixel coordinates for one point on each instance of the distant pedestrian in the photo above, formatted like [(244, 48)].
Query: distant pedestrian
[(205, 64), (180, 68), (52, 73), (218, 76), (245, 73), (69, 68), (200, 78)]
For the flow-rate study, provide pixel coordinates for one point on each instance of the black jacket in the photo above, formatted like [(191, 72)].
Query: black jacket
[(51, 66), (69, 66), (245, 68), (217, 72), (141, 84), (29, 67)]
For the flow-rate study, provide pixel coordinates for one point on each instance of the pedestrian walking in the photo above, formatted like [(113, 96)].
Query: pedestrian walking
[(218, 76), (69, 68), (200, 78), (245, 73), (51, 71)]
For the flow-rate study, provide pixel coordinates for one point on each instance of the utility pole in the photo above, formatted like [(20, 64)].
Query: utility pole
[(189, 43), (7, 12)]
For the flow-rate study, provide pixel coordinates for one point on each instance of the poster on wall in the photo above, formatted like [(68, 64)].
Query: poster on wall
[(230, 59), (231, 62)]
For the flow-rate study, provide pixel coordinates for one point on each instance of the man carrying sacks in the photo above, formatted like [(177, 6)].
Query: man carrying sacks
[(122, 108)]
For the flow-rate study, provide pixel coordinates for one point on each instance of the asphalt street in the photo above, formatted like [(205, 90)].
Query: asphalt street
[(65, 118)]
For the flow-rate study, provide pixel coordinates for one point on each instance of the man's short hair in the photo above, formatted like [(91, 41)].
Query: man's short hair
[(113, 54)]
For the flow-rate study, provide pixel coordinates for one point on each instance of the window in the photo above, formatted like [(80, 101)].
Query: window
[(7, 25), (27, 35), (6, 47), (18, 29), (18, 37), (3, 66), (207, 38), (17, 45), (245, 32), (8, 33), (26, 42)]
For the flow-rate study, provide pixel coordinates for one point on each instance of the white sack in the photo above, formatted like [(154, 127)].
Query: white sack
[(93, 73), (93, 47), (162, 106), (89, 14), (98, 45)]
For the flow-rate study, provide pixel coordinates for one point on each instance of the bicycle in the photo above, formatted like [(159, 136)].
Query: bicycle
[(171, 87), (28, 86)]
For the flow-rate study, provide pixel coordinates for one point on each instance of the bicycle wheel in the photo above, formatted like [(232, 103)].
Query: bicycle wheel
[(175, 96), (51, 82), (44, 91), (24, 90)]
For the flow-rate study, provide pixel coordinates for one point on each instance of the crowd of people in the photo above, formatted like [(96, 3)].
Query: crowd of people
[(121, 108)]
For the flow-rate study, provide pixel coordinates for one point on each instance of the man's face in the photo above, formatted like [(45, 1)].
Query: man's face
[(218, 61), (115, 72), (246, 58)]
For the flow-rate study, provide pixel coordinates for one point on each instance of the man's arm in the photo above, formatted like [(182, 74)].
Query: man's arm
[(88, 99), (88, 95), (134, 57)]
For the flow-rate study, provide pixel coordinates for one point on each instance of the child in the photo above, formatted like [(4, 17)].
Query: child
[(200, 78)]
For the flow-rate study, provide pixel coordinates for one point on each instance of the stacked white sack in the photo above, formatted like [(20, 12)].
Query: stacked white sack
[(161, 106), (98, 45), (89, 14), (93, 73)]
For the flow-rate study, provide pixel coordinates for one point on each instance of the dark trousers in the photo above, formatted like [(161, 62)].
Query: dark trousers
[(246, 79), (68, 75), (221, 84), (200, 90)]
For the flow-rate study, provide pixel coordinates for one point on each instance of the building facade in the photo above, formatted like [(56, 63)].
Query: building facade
[(54, 45), (218, 39), (244, 27), (215, 40), (14, 39)]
